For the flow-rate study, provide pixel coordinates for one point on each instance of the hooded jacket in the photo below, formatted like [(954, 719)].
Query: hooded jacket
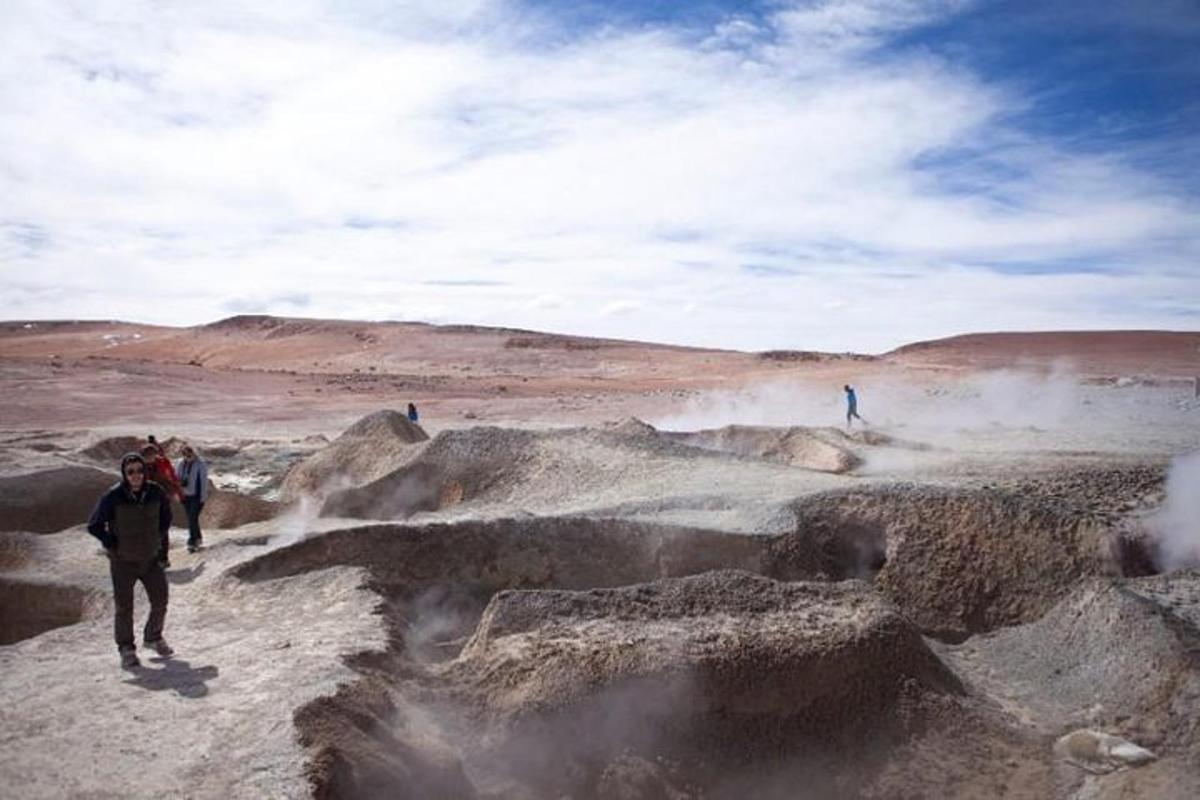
[(132, 526)]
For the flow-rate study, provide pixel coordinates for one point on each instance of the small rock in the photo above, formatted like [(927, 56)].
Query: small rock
[(1098, 752)]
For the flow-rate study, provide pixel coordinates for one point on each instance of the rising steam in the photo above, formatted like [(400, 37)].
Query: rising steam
[(1178, 523), (1000, 398)]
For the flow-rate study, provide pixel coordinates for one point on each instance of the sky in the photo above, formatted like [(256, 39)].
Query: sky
[(788, 174)]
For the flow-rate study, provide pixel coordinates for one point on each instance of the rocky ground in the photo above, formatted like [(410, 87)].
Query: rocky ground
[(605, 569)]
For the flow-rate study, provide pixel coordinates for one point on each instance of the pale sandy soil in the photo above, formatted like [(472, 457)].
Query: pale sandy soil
[(212, 722), (524, 426)]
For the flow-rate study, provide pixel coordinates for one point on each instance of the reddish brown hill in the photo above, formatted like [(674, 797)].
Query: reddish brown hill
[(342, 346), (399, 348), (1106, 352)]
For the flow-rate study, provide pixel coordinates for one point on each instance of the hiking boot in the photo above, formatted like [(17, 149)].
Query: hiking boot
[(194, 547), (161, 647), (129, 659)]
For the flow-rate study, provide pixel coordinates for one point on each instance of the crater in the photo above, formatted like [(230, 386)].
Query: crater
[(29, 608)]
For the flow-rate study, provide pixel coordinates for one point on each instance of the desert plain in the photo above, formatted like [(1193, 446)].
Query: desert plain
[(608, 569)]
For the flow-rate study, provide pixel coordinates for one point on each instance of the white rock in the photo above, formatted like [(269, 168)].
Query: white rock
[(1096, 751)]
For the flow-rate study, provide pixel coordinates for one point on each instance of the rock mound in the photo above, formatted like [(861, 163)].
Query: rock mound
[(51, 500), (714, 672), (958, 561), (409, 490), (369, 449), (632, 426), (1106, 491), (557, 471), (227, 510), (386, 424), (758, 646), (821, 449), (455, 466), (531, 552), (1119, 657)]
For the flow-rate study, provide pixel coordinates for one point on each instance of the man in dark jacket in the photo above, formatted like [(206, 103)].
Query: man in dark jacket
[(131, 521)]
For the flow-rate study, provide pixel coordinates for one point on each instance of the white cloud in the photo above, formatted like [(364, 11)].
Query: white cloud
[(621, 307), (440, 161), (545, 301)]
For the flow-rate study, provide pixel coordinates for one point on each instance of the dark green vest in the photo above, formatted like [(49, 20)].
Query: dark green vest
[(137, 530)]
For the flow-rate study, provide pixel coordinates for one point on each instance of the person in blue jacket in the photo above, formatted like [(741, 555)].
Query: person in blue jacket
[(851, 405), (193, 482), (412, 413), (131, 522)]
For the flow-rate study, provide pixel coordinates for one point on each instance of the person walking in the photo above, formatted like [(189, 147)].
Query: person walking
[(851, 406), (193, 480), (131, 521), (412, 413)]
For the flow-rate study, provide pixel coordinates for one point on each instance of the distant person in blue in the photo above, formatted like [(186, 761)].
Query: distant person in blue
[(412, 413), (851, 406)]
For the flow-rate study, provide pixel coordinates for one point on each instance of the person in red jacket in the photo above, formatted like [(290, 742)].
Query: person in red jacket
[(161, 471)]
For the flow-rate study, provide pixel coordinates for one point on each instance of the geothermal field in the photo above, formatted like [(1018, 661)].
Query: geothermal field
[(608, 569)]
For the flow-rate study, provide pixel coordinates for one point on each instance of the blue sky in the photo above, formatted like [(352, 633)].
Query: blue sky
[(1103, 76), (849, 174)]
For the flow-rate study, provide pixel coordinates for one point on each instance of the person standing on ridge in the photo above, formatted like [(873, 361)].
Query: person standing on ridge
[(193, 479), (851, 406), (131, 522), (412, 413)]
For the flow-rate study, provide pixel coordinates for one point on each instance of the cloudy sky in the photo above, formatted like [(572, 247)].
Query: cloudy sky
[(832, 174)]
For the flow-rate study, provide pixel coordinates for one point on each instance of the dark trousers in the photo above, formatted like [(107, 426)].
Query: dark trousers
[(124, 575), (192, 506)]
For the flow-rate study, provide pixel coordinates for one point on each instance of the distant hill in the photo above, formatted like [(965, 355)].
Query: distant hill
[(1125, 352), (285, 344), (316, 346)]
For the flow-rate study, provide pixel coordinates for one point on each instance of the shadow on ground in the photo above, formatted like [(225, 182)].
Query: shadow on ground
[(174, 674), (185, 575)]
